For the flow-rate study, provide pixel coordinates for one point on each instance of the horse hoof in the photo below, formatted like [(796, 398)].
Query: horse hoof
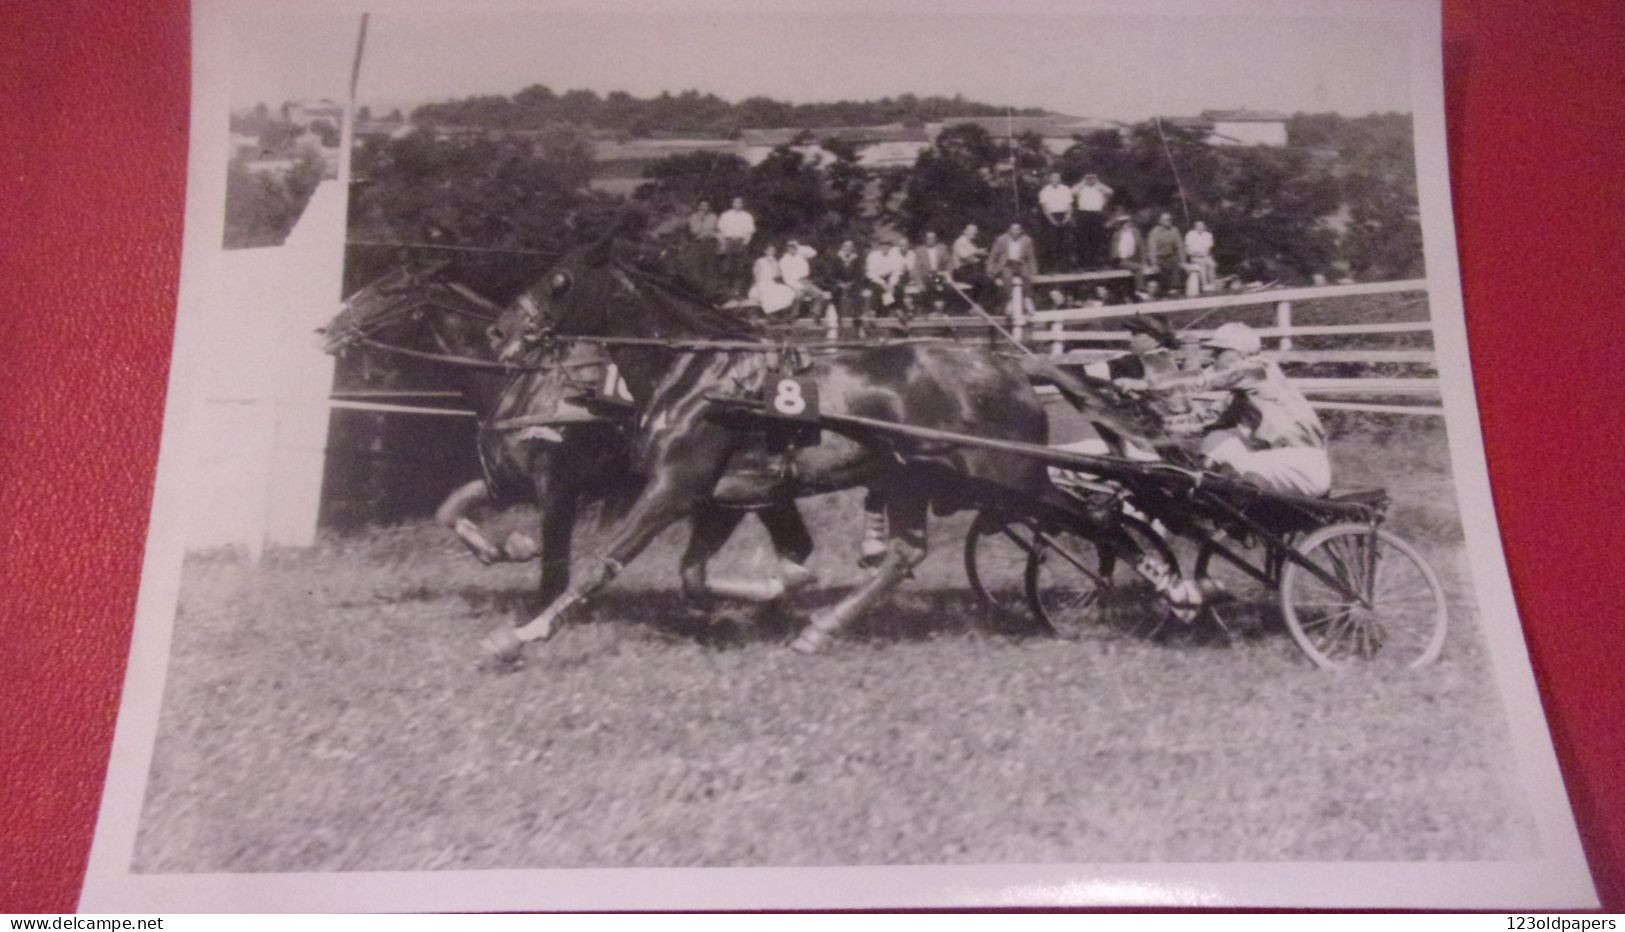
[(811, 640), (503, 646), (520, 548)]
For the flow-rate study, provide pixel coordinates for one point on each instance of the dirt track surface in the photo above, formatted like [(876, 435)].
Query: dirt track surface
[(325, 711)]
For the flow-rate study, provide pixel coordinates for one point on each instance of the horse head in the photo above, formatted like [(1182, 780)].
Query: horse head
[(611, 287), (571, 300), (412, 306)]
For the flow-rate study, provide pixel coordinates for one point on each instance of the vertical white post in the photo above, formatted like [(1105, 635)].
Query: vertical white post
[(1055, 348), (832, 322), (1283, 320), (1018, 310)]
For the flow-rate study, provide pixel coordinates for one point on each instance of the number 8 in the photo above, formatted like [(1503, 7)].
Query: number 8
[(788, 400)]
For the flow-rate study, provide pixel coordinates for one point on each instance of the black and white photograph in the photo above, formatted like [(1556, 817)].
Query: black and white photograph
[(736, 456)]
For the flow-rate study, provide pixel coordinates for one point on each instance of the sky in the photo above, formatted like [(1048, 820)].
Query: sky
[(1118, 65)]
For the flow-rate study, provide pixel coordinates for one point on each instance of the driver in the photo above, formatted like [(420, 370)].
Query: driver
[(1271, 437)]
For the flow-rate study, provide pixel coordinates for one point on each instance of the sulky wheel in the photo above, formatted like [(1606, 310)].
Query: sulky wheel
[(1401, 620), (996, 551), (1069, 583)]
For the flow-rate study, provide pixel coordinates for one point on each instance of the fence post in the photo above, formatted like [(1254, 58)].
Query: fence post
[(1055, 348), (832, 322), (1283, 320), (1018, 310)]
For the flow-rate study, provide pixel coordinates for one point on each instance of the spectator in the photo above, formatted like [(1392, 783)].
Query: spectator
[(1055, 207), (884, 268), (702, 223), (930, 269), (1128, 247), (966, 264), (768, 290), (1092, 196), (735, 229), (842, 273), (702, 247), (1199, 250), (1165, 249), (1011, 260), (795, 270)]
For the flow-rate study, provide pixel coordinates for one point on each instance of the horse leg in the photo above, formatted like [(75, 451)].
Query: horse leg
[(906, 531), (557, 499), (453, 513), (657, 509), (874, 546), (792, 545), (792, 542)]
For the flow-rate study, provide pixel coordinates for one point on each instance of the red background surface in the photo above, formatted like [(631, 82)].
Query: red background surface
[(93, 118)]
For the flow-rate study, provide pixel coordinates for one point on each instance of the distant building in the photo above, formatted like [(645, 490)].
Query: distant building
[(1237, 127), (302, 113), (889, 145)]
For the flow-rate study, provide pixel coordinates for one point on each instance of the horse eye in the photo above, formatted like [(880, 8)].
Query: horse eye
[(561, 283)]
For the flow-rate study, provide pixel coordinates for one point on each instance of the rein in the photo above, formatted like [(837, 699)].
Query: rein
[(689, 345)]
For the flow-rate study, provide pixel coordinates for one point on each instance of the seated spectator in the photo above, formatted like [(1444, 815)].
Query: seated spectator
[(884, 269), (842, 273), (702, 223), (1128, 247), (1011, 262), (965, 264), (768, 290), (1199, 252), (795, 270), (928, 269), (1165, 252)]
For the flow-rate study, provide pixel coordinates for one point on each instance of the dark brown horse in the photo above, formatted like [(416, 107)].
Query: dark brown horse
[(680, 356), (535, 443)]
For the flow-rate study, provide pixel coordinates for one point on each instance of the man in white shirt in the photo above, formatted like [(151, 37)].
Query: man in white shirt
[(1092, 196), (795, 268), (1199, 252), (965, 264), (884, 268), (1055, 232), (735, 229)]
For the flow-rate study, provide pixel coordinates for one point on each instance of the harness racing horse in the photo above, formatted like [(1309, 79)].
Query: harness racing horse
[(534, 441), (681, 357)]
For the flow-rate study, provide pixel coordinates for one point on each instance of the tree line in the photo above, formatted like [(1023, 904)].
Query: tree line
[(689, 112)]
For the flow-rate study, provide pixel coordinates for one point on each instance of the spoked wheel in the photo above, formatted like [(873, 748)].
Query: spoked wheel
[(1069, 584), (1400, 619), (996, 551)]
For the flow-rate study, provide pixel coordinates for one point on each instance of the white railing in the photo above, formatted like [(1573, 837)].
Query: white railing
[(1048, 332)]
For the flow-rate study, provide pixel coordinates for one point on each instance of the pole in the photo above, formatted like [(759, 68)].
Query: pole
[(987, 317), (1184, 206), (347, 135)]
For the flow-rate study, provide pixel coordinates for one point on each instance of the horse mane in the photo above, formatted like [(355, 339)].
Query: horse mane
[(689, 302)]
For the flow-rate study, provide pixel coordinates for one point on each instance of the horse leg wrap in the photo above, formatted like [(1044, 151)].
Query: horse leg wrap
[(746, 590), (818, 632), (471, 536)]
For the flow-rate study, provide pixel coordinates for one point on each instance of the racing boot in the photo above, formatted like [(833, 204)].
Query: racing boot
[(1184, 597), (873, 548)]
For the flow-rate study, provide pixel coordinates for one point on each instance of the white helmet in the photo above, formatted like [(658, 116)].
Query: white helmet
[(1235, 336)]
